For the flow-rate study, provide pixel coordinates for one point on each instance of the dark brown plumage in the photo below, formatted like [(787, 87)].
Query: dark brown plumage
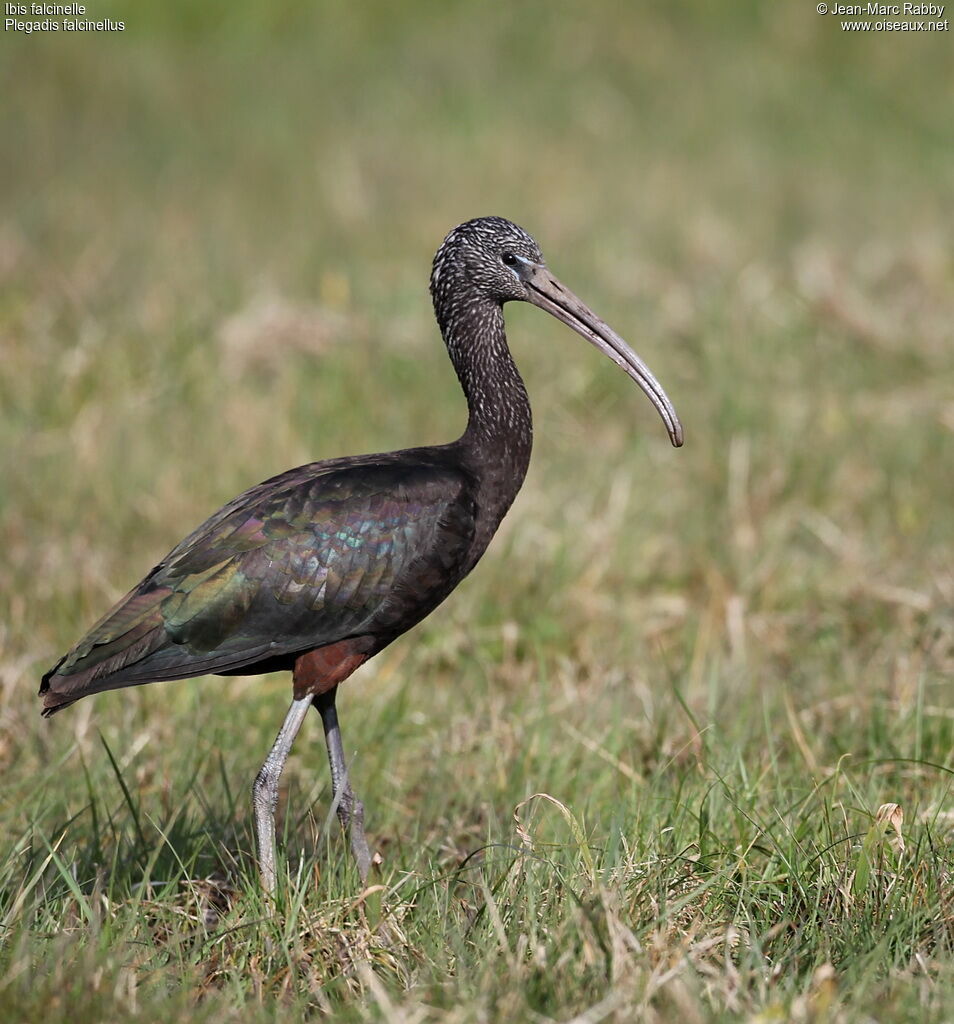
[(319, 568)]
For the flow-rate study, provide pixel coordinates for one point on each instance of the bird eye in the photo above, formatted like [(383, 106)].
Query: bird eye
[(509, 259)]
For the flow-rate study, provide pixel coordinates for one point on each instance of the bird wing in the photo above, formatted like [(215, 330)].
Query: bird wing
[(316, 555)]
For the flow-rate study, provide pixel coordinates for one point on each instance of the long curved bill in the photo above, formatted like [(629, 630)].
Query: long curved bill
[(545, 291)]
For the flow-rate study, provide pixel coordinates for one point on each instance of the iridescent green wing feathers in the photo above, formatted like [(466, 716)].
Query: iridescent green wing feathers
[(315, 555)]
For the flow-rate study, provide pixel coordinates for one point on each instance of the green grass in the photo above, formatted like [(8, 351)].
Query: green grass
[(716, 664)]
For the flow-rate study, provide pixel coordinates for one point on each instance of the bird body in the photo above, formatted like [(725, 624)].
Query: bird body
[(332, 551), (321, 567)]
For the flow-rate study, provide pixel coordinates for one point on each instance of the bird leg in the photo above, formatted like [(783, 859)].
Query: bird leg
[(265, 790), (350, 809)]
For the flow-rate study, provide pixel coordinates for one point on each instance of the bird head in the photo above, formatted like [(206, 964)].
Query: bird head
[(493, 255)]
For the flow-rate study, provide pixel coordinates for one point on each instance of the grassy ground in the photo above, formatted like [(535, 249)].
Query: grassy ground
[(633, 767)]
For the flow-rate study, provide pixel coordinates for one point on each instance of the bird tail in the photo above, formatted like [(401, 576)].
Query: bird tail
[(52, 702), (108, 656), (59, 689)]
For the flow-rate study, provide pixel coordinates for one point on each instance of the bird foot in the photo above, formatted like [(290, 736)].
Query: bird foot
[(351, 816)]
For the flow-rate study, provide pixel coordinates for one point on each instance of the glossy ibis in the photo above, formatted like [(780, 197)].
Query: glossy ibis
[(321, 567)]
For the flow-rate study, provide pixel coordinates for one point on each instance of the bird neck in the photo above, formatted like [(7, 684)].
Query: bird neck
[(499, 432)]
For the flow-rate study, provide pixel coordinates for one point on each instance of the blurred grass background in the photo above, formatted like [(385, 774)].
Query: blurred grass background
[(215, 234)]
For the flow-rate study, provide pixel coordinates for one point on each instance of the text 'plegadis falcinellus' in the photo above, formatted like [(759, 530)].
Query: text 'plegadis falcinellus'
[(318, 569)]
